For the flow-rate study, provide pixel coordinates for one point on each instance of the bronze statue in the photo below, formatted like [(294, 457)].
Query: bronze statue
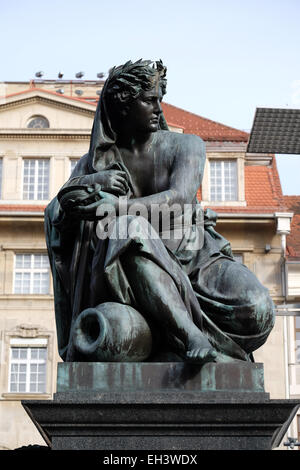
[(136, 298)]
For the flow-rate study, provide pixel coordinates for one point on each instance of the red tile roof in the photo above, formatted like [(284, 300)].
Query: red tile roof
[(207, 129), (293, 240), (262, 186)]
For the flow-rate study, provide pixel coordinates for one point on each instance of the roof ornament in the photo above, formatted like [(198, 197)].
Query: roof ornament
[(79, 74)]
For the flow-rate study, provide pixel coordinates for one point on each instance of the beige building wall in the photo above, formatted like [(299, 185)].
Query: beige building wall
[(59, 152), (57, 119), (25, 321)]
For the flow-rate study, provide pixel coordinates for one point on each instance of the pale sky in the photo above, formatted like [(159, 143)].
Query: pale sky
[(224, 57)]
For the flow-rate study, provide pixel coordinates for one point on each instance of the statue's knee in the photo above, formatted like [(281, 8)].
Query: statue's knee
[(262, 310), (265, 304)]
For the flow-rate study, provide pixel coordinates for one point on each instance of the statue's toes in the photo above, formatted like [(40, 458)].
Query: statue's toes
[(202, 355)]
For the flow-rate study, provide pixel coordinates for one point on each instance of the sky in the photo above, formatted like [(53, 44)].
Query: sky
[(224, 57)]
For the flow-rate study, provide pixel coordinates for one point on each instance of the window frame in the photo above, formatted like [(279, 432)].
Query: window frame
[(38, 116), (28, 335), (29, 361), (36, 179), (32, 270), (222, 163), (213, 153)]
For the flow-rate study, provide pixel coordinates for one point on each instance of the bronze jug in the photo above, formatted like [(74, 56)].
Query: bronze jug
[(112, 332)]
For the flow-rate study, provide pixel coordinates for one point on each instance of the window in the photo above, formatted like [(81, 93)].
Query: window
[(31, 274), (38, 122), (27, 372), (223, 180), (0, 177), (297, 342), (36, 179), (73, 162)]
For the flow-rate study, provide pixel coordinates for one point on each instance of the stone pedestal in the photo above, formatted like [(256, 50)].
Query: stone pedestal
[(161, 406)]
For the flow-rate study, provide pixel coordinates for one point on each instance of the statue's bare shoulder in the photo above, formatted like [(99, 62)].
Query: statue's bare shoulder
[(183, 144), (184, 157)]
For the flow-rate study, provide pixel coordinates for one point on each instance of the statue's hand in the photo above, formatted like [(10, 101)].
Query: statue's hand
[(107, 205), (113, 181)]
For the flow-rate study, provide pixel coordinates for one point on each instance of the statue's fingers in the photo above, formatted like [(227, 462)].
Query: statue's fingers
[(119, 185), (122, 181), (121, 173), (117, 190), (88, 208), (119, 182)]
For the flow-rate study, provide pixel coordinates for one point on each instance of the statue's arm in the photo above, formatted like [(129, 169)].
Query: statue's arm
[(82, 188), (114, 181), (185, 176)]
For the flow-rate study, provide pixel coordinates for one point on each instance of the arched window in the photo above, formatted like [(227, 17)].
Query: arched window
[(38, 122)]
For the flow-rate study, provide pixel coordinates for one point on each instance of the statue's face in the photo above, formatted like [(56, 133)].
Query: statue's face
[(144, 112)]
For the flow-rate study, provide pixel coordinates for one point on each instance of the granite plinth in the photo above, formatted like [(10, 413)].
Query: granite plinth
[(161, 406)]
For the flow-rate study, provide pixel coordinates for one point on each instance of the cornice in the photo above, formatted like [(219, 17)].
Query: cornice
[(222, 146), (44, 134), (264, 159)]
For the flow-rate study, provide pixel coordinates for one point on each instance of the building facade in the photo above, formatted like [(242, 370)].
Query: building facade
[(291, 308), (43, 133)]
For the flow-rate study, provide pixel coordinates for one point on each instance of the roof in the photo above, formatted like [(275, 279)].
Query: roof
[(191, 123), (262, 186), (275, 130), (207, 129), (293, 240)]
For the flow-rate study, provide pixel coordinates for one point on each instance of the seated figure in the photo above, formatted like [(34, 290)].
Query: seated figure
[(198, 303)]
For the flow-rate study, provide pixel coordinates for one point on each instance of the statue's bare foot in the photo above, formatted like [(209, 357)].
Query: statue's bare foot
[(201, 355)]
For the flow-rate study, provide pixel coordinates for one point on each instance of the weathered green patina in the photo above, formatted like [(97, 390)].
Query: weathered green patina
[(111, 377)]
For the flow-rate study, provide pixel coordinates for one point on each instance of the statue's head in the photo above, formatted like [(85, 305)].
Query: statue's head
[(127, 82), (131, 95)]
